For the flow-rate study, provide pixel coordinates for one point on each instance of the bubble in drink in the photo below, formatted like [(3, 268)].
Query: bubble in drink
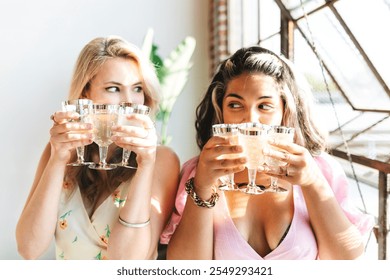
[(102, 128), (253, 150)]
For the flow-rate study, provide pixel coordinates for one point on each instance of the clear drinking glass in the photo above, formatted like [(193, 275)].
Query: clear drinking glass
[(84, 108), (229, 131), (126, 109), (104, 116), (278, 133), (253, 138)]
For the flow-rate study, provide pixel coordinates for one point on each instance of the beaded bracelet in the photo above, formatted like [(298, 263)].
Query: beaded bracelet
[(210, 203), (133, 225)]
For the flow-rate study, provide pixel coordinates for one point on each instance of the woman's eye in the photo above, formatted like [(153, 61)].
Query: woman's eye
[(138, 89), (265, 106), (112, 89), (234, 105)]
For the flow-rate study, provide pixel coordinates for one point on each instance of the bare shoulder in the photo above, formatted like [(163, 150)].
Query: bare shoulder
[(167, 169), (167, 156)]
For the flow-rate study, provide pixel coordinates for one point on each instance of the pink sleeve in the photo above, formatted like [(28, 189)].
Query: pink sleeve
[(338, 181), (187, 172)]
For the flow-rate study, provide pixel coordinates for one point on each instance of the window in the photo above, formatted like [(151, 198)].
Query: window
[(346, 36)]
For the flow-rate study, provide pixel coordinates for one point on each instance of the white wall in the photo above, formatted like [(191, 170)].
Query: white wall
[(40, 41)]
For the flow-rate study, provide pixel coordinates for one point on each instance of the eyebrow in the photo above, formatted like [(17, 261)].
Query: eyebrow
[(119, 84), (112, 82), (240, 97)]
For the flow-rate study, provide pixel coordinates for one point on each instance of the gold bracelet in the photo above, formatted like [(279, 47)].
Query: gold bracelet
[(210, 203), (133, 225)]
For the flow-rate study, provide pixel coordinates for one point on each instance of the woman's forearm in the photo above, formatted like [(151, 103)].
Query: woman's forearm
[(36, 226), (193, 238), (128, 242), (337, 237)]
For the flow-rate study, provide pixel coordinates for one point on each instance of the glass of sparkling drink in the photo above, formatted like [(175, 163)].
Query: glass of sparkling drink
[(104, 116), (253, 138), (229, 131)]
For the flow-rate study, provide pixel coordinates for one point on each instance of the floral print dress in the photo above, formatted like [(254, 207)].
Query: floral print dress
[(79, 236)]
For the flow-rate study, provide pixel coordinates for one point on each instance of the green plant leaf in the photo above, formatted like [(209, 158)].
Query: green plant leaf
[(150, 50), (158, 63), (176, 69), (172, 73)]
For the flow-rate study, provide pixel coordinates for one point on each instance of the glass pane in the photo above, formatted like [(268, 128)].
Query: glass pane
[(269, 19), (373, 143), (272, 43), (250, 19), (369, 22), (297, 10), (308, 64), (235, 28), (343, 60), (250, 22), (243, 23)]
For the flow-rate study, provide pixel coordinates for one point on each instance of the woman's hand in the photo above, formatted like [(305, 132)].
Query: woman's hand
[(300, 167), (66, 134), (140, 138), (213, 162)]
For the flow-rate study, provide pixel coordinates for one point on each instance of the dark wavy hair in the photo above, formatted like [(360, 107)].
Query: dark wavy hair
[(294, 91)]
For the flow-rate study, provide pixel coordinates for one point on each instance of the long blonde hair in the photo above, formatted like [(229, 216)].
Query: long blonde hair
[(94, 55), (90, 60)]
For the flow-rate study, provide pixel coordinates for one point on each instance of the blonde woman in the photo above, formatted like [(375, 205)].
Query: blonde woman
[(95, 214), (313, 219)]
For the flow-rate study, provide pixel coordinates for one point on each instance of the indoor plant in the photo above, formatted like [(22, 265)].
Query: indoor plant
[(172, 73)]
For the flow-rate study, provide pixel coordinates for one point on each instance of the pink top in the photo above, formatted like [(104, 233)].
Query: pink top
[(299, 243)]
